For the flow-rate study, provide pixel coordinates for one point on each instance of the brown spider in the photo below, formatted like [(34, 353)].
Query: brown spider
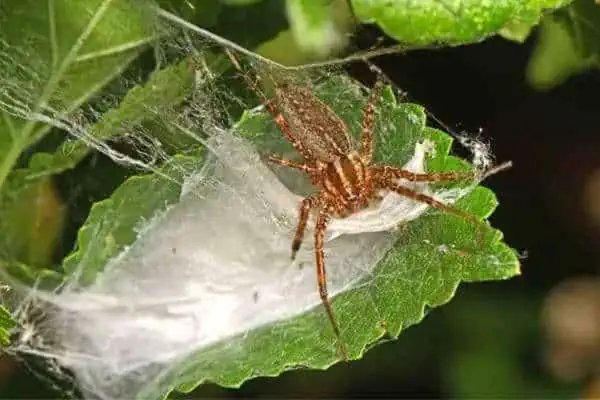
[(345, 178)]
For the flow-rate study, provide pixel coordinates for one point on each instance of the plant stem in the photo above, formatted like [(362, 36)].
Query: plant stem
[(10, 159)]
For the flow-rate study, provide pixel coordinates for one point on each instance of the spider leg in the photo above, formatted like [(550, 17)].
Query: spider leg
[(305, 207), (368, 123), (322, 221), (390, 173), (271, 108), (292, 164), (497, 168), (287, 131), (423, 198)]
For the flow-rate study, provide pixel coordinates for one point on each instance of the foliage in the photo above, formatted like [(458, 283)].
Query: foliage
[(457, 22), (62, 59), (568, 44)]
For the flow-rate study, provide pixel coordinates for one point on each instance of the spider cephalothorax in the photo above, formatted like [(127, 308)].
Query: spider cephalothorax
[(345, 178)]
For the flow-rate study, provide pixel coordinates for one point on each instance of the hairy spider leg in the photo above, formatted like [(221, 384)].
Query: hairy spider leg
[(271, 108), (322, 221), (388, 184), (287, 131), (304, 167), (386, 173), (304, 211), (368, 123), (389, 172), (497, 168)]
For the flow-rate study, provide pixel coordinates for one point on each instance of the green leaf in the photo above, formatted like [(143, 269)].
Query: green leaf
[(54, 56), (434, 254), (517, 31), (251, 23), (31, 224), (284, 49), (27, 188), (6, 325), (455, 22), (319, 27), (164, 90), (568, 43), (18, 274)]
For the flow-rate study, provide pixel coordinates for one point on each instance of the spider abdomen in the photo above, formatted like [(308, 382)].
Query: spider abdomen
[(345, 180)]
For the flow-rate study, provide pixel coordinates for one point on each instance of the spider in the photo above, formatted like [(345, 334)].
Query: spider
[(346, 178)]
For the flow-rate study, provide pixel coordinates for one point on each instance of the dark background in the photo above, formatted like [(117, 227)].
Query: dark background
[(491, 340)]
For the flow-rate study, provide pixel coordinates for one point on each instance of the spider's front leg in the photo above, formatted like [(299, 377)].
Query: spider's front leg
[(386, 182), (388, 174), (270, 105), (368, 123)]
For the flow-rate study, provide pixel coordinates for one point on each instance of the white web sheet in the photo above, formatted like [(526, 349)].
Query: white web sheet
[(212, 266)]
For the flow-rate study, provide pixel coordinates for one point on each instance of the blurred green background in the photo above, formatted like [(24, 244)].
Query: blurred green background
[(537, 335)]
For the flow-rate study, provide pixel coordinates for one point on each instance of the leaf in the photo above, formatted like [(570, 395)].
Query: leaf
[(319, 27), (568, 43), (250, 23), (455, 22), (54, 56), (284, 49), (516, 31), (22, 274), (434, 254), (6, 325), (31, 224), (165, 89)]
